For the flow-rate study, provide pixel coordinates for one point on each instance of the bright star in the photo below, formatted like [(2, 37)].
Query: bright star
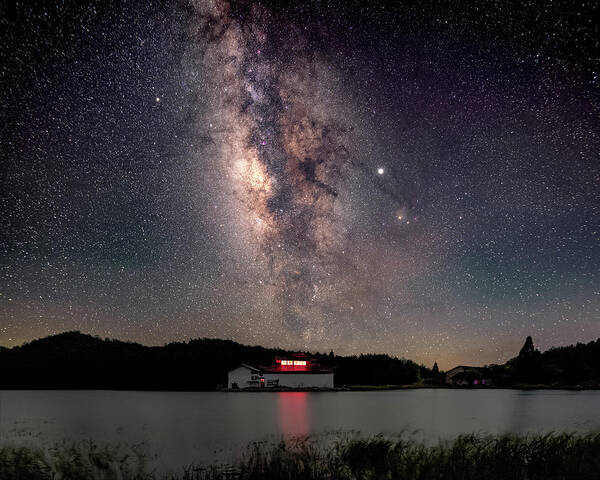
[(380, 171)]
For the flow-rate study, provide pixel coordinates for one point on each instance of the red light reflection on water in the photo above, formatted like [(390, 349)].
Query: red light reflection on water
[(293, 414)]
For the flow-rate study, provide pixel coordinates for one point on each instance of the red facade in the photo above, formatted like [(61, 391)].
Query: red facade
[(296, 362)]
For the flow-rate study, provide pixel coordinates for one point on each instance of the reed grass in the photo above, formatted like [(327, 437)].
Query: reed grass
[(468, 457)]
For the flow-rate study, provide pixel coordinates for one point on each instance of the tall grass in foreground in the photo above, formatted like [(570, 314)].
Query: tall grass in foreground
[(515, 457)]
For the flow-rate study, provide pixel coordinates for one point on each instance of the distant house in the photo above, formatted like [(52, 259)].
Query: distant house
[(464, 375), (298, 370)]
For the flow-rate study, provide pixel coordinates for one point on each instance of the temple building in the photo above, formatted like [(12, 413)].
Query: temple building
[(298, 370)]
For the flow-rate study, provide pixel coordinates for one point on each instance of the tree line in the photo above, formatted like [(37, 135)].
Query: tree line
[(73, 360), (573, 365)]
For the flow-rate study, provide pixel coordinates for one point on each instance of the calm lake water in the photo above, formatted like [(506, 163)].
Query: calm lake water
[(187, 428)]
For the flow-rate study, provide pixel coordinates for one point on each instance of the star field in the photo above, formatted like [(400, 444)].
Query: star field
[(415, 179)]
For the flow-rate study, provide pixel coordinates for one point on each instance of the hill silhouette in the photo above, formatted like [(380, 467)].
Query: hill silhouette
[(573, 365), (74, 360)]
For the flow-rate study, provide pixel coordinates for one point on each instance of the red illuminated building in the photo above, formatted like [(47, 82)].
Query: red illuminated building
[(297, 370)]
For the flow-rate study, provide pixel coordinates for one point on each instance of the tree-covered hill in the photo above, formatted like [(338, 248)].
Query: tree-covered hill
[(76, 360), (573, 365), (79, 361)]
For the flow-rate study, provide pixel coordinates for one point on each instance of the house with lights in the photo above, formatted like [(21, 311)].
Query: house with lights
[(298, 370), (463, 375)]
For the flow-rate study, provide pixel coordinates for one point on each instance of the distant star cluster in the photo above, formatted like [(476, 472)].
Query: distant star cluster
[(421, 180)]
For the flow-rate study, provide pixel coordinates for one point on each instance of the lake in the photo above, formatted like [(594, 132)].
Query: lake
[(184, 428)]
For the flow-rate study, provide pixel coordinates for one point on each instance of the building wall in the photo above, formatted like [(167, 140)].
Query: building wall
[(301, 380), (242, 376)]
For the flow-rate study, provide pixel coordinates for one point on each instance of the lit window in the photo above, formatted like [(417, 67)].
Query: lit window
[(294, 362)]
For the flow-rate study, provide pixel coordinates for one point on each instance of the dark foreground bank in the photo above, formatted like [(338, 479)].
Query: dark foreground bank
[(552, 456)]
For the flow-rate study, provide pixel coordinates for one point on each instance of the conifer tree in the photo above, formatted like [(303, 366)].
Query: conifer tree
[(528, 347)]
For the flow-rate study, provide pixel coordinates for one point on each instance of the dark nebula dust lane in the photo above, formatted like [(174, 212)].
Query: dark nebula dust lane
[(287, 157), (415, 180)]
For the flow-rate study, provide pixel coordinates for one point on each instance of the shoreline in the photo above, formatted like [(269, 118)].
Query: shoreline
[(376, 388), (349, 388)]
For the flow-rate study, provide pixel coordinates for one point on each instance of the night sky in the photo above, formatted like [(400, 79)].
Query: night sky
[(415, 178)]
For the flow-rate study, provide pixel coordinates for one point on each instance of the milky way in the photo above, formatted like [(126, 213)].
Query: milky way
[(420, 181), (285, 152)]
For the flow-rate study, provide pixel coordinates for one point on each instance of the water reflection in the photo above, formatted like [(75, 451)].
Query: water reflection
[(185, 428), (522, 410), (292, 408)]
